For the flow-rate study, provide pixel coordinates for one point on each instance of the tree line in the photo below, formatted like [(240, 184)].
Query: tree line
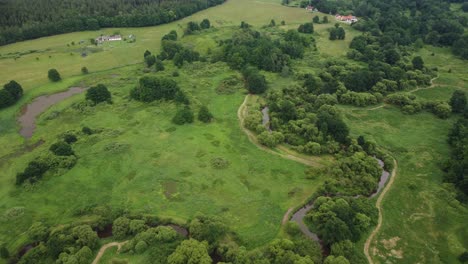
[(402, 22), (23, 20)]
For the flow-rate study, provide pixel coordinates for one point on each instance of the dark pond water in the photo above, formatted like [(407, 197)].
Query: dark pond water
[(30, 112)]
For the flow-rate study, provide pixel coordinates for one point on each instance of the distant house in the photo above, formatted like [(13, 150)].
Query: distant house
[(347, 19), (103, 38), (311, 8)]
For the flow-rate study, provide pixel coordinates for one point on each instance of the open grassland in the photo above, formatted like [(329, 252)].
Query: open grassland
[(35, 57), (422, 221), (141, 162)]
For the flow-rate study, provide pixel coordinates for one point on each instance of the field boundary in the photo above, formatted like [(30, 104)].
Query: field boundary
[(378, 204)]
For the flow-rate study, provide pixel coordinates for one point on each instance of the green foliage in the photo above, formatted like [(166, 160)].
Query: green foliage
[(458, 101), (457, 165), (147, 53), (10, 94), (254, 81), (4, 253), (152, 88), (61, 148), (32, 172), (337, 33), (137, 226), (54, 75), (252, 47), (141, 247), (172, 35), (84, 70), (307, 28), (270, 139), (204, 114), (121, 227), (190, 251), (69, 138), (337, 219), (29, 22), (38, 231), (418, 63), (336, 260), (85, 236), (87, 130), (14, 89), (358, 99), (207, 228), (191, 28), (325, 20), (205, 24), (150, 60), (316, 19), (183, 116)]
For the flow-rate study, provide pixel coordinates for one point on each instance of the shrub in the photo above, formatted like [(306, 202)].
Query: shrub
[(4, 253), (141, 247), (121, 227), (442, 110), (270, 139), (150, 60), (306, 28), (14, 89), (98, 94), (69, 138), (254, 81), (205, 24), (54, 75), (183, 116), (61, 149), (204, 114), (87, 130), (6, 99), (84, 70), (458, 101), (32, 172), (136, 226), (154, 88)]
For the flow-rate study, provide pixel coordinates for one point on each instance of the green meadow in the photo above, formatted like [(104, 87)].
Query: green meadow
[(422, 220), (139, 161)]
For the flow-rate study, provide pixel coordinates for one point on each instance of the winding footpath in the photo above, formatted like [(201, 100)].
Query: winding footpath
[(378, 204), (105, 247), (241, 113)]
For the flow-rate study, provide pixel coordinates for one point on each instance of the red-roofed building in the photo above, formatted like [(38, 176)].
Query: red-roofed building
[(311, 8), (347, 19)]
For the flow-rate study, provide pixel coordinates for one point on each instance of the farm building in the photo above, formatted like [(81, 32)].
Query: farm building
[(347, 19), (101, 39), (311, 8)]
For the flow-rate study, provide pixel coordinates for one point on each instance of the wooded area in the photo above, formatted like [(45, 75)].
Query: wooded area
[(23, 20)]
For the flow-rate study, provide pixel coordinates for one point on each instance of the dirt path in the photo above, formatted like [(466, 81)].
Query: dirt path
[(105, 247), (241, 113), (286, 216), (378, 204), (424, 88)]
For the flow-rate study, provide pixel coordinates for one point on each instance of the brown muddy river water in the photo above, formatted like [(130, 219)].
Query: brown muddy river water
[(30, 112)]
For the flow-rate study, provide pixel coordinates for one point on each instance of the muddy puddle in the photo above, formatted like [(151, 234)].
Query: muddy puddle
[(30, 112)]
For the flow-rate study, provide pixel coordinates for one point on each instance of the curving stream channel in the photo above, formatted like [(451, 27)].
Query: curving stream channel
[(30, 112), (299, 215)]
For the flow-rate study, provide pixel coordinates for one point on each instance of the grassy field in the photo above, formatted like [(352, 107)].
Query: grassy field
[(141, 162), (30, 69), (422, 221)]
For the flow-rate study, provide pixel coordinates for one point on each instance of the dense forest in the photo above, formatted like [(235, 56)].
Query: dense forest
[(401, 22), (23, 20)]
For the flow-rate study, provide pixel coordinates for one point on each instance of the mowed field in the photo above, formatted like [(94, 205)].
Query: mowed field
[(422, 221)]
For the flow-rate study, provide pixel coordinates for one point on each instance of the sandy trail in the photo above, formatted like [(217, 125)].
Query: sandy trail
[(105, 247), (378, 204)]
